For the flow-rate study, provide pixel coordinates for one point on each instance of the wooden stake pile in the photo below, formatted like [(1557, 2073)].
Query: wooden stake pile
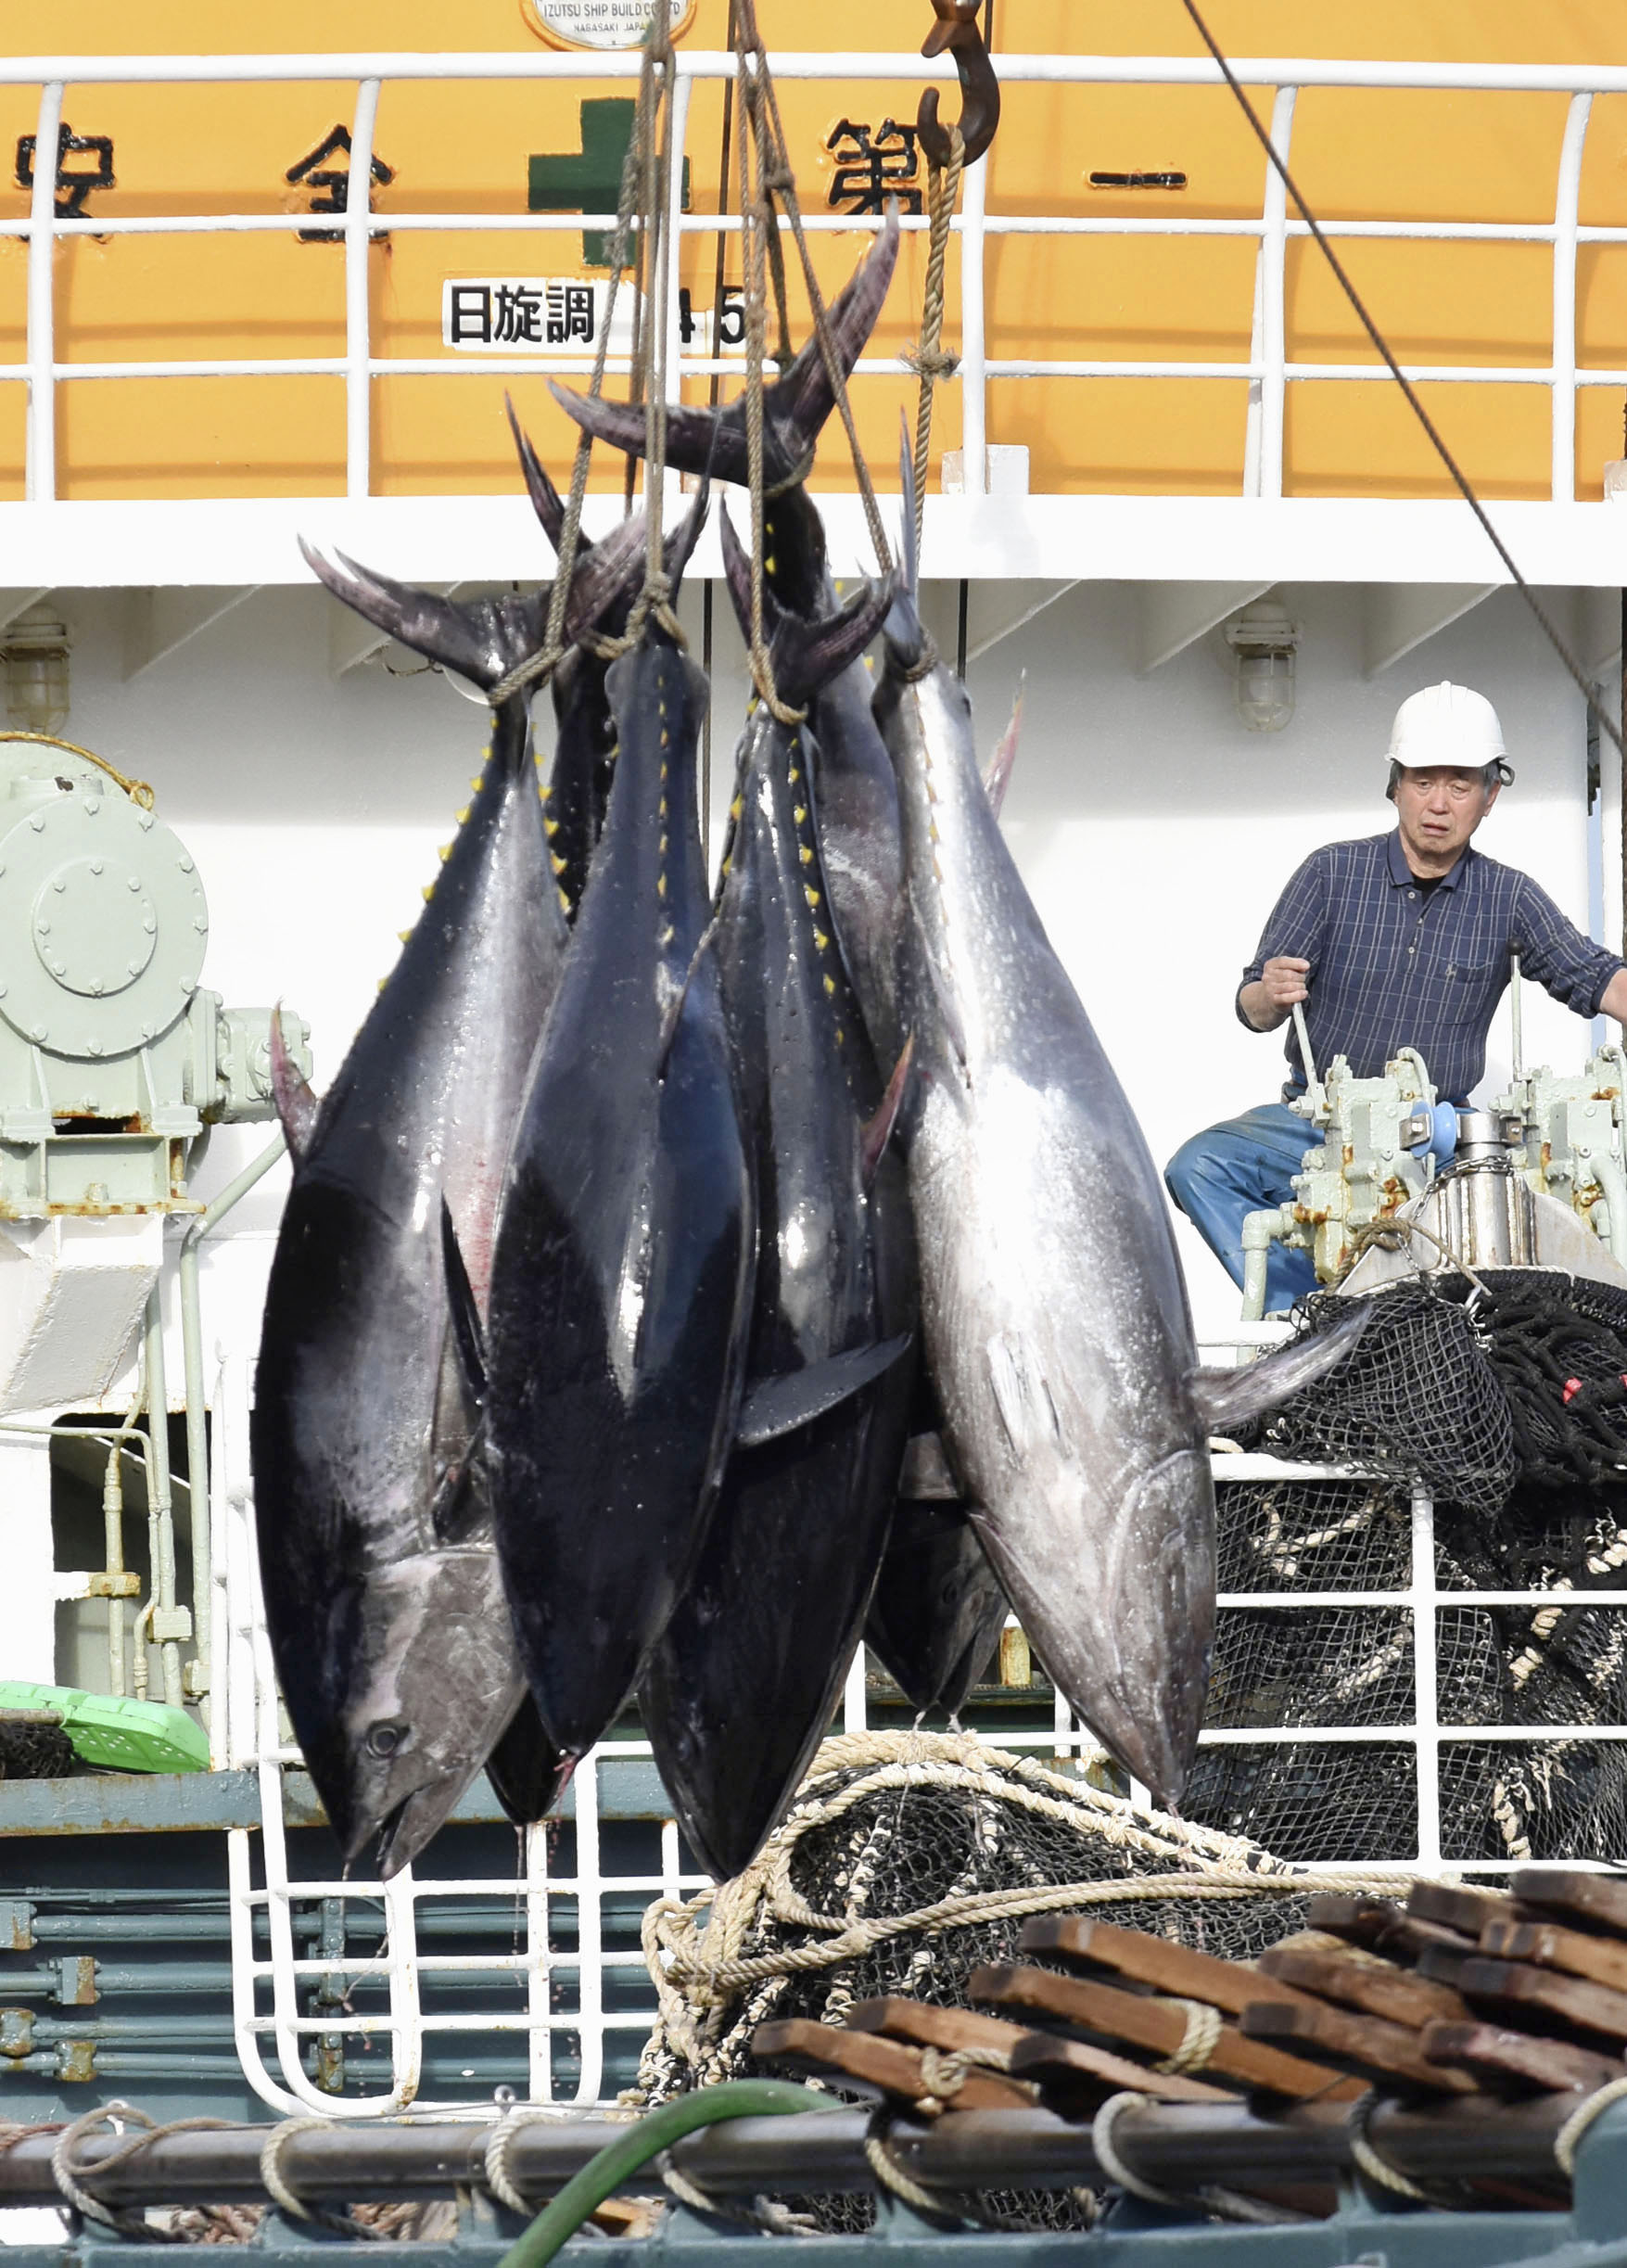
[(1501, 1994)]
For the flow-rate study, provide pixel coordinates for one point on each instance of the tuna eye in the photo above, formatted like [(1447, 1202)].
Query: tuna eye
[(384, 1740)]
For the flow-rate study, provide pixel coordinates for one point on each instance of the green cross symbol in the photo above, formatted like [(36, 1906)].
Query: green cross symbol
[(589, 180)]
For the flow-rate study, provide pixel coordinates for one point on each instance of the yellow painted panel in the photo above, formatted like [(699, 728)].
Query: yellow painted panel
[(463, 148)]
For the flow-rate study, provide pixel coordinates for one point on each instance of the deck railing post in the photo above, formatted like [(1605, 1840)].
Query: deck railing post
[(1273, 301), (358, 312), (973, 357), (40, 476), (1425, 1697), (1566, 199)]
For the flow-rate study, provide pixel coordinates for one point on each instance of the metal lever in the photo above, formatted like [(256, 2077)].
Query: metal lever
[(955, 29)]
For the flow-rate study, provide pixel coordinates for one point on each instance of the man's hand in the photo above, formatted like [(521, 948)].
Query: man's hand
[(1280, 984)]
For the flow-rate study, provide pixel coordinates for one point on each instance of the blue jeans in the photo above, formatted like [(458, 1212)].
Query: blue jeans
[(1243, 1165)]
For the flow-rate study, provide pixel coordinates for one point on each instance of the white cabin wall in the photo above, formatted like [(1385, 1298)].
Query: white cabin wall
[(1154, 829)]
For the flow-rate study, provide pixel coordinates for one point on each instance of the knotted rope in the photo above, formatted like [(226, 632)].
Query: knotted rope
[(930, 363)]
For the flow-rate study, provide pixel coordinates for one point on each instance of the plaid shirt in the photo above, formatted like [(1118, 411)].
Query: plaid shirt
[(1391, 968)]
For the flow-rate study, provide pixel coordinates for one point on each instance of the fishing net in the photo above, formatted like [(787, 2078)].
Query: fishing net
[(31, 1750), (910, 1860), (1506, 1399)]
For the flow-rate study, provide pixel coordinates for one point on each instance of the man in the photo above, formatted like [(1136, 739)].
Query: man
[(1394, 940)]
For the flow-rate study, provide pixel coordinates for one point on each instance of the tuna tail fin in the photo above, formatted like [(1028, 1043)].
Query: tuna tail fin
[(905, 634), (296, 1101), (549, 506), (546, 501), (482, 639), (997, 778), (1228, 1398), (794, 407), (804, 652), (674, 1010), (877, 1131)]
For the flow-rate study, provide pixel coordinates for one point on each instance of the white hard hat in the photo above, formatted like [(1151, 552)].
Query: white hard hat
[(1446, 724)]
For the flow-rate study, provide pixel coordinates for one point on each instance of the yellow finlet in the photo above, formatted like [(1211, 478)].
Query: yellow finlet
[(805, 855), (463, 815), (820, 939), (444, 853), (429, 892), (550, 828), (800, 815), (830, 992), (812, 896), (558, 863)]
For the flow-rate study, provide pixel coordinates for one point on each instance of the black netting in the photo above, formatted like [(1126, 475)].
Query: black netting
[(1312, 1535), (1418, 1397), (34, 1752), (1311, 1802), (1507, 1399)]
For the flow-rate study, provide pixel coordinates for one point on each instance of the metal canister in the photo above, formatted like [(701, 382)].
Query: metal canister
[(1486, 1208)]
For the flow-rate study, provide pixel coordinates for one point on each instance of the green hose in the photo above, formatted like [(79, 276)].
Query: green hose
[(603, 2176)]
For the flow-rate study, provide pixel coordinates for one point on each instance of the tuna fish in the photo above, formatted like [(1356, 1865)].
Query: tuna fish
[(1054, 1311), (857, 799), (620, 1288), (382, 1593), (741, 1687)]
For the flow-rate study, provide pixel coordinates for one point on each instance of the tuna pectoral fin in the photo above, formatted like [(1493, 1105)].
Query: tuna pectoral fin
[(997, 778), (467, 1334), (291, 1091), (877, 1132), (1230, 1398), (778, 1406)]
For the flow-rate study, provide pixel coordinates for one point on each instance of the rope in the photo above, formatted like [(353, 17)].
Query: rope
[(942, 187), (1227, 2204), (494, 2158), (1368, 2162), (1199, 2041), (1107, 2157), (781, 180), (1581, 2118), (756, 222), (66, 2173), (282, 2193), (636, 189), (137, 790), (1606, 724)]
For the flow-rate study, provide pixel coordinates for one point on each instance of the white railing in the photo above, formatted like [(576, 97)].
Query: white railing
[(1266, 368)]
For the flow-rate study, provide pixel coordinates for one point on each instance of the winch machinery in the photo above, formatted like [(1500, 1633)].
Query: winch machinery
[(1400, 1180)]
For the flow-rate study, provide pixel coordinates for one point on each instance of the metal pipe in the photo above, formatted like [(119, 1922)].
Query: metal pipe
[(358, 246), (1566, 193), (1259, 1232), (40, 480), (160, 1513), (1180, 2146), (974, 349), (1516, 1019), (1273, 290), (196, 1407), (1047, 70)]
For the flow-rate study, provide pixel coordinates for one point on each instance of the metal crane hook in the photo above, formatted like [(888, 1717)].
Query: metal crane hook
[(956, 29)]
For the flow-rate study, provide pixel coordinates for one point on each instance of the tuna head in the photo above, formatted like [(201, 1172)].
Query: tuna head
[(433, 1681)]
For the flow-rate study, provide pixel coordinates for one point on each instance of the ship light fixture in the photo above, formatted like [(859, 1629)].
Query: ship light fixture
[(33, 661), (1262, 643)]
